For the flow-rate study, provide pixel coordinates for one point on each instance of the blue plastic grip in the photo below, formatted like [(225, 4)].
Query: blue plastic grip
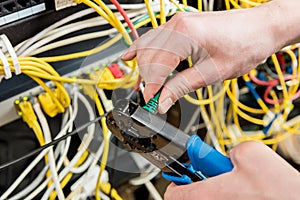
[(183, 180), (206, 159)]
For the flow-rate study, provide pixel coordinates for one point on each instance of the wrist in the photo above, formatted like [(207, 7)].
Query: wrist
[(283, 17)]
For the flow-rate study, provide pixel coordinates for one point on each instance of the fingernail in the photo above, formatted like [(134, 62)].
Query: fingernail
[(165, 105)]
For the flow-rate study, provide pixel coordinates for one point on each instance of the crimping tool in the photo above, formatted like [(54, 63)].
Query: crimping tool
[(165, 146)]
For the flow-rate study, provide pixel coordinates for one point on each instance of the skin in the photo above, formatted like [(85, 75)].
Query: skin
[(223, 45), (259, 173)]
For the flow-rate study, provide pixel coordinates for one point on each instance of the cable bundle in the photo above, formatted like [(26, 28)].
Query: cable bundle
[(228, 118)]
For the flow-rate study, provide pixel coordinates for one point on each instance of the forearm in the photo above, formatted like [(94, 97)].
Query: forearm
[(284, 16)]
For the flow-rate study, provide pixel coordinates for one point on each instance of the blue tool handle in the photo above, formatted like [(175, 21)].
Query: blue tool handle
[(183, 180), (206, 159)]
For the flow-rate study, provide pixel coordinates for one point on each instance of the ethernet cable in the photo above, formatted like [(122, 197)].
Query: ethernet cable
[(20, 49), (126, 18), (29, 168), (42, 174), (32, 185), (211, 5), (151, 13), (80, 155), (107, 14), (106, 137), (207, 101), (51, 159), (66, 171), (23, 175), (40, 156), (65, 30), (76, 39)]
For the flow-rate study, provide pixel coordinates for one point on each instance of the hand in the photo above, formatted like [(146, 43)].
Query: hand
[(223, 45), (259, 173)]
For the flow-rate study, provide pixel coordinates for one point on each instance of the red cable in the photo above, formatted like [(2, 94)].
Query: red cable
[(260, 82), (270, 87), (126, 18)]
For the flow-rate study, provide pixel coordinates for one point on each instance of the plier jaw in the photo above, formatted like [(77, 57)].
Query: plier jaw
[(165, 146), (127, 123)]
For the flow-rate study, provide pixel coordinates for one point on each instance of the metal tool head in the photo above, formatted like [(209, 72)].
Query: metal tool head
[(145, 133)]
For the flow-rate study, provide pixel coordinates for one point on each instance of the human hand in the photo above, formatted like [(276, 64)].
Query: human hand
[(258, 173), (223, 45)]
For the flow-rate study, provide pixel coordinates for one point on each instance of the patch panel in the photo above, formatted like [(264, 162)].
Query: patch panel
[(8, 112), (13, 10)]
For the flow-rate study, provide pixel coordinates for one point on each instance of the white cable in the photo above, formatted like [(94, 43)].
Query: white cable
[(98, 21), (63, 130), (12, 53), (65, 148), (192, 120), (91, 131), (6, 66), (64, 172), (32, 185), (24, 174), (67, 169), (21, 49), (205, 5), (143, 179), (210, 130), (73, 28), (82, 167), (38, 190), (55, 36), (211, 5), (54, 30), (73, 40), (40, 177), (51, 160), (152, 190)]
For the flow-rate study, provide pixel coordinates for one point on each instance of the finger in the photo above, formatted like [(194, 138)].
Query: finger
[(257, 152), (183, 83), (150, 91), (130, 53), (155, 73)]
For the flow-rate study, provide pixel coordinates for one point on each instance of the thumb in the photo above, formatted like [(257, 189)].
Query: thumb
[(183, 83), (130, 53)]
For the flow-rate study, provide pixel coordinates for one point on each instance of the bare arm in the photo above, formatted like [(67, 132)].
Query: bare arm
[(223, 45)]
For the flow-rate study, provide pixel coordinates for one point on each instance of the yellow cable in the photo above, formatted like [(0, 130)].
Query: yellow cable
[(250, 3), (207, 101), (178, 6), (118, 23), (216, 122), (162, 12), (227, 4), (106, 144), (151, 14), (84, 53), (275, 98), (241, 105), (200, 9), (92, 51), (235, 109), (235, 4), (184, 2), (259, 101)]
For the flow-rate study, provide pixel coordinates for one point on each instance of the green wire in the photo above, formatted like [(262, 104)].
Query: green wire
[(152, 104)]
